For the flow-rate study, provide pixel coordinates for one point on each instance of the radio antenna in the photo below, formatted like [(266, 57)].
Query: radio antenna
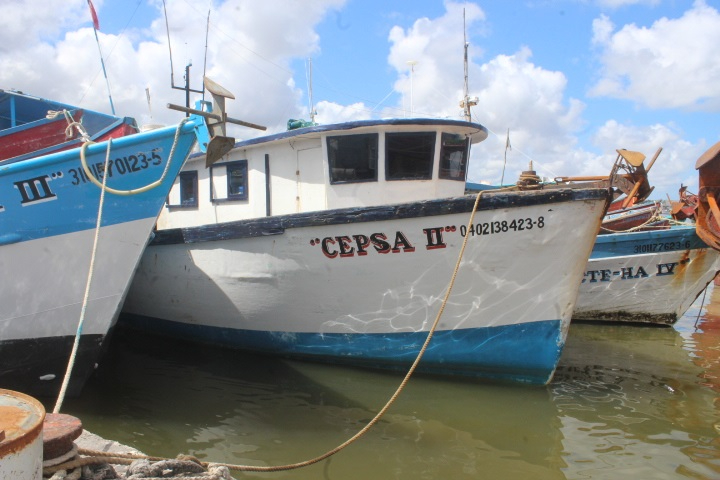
[(186, 88)]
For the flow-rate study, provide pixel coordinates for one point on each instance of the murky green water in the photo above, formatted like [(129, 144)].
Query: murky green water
[(626, 402)]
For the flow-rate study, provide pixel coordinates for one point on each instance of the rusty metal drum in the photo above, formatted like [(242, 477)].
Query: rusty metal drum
[(21, 439)]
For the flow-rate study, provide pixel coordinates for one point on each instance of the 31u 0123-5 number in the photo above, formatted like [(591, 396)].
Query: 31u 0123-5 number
[(502, 226)]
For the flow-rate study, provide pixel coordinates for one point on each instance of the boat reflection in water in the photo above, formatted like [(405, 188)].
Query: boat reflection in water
[(626, 402)]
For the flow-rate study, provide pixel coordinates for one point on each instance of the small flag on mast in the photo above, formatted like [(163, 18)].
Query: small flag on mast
[(96, 23), (507, 141)]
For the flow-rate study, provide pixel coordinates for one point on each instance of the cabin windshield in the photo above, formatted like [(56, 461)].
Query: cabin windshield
[(453, 156), (409, 156), (353, 158)]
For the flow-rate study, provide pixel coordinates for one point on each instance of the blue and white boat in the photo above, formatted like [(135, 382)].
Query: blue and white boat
[(337, 243), (645, 276), (50, 219)]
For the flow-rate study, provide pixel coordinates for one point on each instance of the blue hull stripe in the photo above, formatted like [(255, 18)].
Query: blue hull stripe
[(634, 243), (514, 352)]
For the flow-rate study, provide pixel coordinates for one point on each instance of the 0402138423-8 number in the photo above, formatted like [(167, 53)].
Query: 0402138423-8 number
[(502, 226)]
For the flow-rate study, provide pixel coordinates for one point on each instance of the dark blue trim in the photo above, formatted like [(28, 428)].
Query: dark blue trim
[(277, 225)]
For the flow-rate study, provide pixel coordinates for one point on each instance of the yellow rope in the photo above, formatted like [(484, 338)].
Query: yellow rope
[(253, 468), (135, 190)]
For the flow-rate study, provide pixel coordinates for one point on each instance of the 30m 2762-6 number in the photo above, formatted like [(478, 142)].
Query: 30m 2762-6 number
[(502, 226)]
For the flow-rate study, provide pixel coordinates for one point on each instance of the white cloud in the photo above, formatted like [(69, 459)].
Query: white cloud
[(250, 47), (436, 45), (671, 64), (331, 112)]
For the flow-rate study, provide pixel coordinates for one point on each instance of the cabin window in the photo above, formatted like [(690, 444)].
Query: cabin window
[(232, 177), (353, 158), (409, 156), (453, 156), (188, 183), (237, 182)]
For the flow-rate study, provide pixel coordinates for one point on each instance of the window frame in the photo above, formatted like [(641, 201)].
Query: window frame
[(184, 175), (429, 174), (375, 137), (466, 154), (241, 164)]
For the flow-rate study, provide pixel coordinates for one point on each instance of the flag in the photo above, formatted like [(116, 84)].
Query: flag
[(507, 141), (96, 23)]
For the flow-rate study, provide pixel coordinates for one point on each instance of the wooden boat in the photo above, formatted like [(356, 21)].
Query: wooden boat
[(640, 217), (32, 126), (337, 243), (708, 213), (56, 234)]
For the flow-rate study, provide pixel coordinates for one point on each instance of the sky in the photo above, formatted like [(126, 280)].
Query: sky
[(567, 81)]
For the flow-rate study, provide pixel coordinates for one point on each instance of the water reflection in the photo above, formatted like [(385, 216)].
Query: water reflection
[(626, 401)]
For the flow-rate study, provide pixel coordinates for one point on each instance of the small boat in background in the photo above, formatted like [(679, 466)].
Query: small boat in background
[(32, 126), (58, 230), (646, 216), (648, 277), (647, 272)]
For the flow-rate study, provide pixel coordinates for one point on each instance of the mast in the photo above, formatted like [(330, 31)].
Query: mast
[(186, 88), (310, 93), (467, 102)]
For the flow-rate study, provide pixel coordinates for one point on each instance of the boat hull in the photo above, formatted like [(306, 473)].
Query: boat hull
[(645, 277), (49, 210), (364, 285)]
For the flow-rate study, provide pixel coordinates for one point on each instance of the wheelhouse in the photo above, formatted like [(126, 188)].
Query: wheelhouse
[(365, 163)]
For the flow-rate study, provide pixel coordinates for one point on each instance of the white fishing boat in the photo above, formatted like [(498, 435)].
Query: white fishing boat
[(645, 276), (67, 218), (338, 243)]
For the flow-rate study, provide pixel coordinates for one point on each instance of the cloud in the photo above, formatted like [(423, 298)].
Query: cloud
[(250, 49), (435, 81), (671, 64)]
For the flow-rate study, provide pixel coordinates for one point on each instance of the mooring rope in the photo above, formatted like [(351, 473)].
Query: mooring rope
[(103, 188), (78, 333), (124, 459)]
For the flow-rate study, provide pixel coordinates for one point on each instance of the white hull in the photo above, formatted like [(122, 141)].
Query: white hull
[(645, 277), (649, 288), (507, 316)]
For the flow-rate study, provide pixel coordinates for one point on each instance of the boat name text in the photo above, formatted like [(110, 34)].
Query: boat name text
[(36, 190), (627, 273), (344, 246)]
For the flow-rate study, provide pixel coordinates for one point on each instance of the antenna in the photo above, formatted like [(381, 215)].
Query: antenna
[(467, 102), (186, 88), (147, 94), (207, 30), (310, 93), (412, 64)]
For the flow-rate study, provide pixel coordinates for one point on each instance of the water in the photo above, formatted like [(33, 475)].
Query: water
[(626, 402)]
